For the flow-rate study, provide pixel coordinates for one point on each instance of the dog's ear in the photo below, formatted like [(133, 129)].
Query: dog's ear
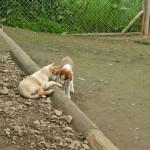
[(55, 70), (67, 73)]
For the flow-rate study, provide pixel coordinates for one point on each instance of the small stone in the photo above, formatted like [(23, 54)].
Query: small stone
[(53, 117), (68, 140), (74, 145), (80, 78), (4, 91), (5, 84), (18, 129), (32, 145), (36, 123), (1, 83), (58, 112), (68, 118), (43, 123), (68, 128), (86, 146), (28, 103), (6, 79), (7, 131), (49, 108), (48, 100)]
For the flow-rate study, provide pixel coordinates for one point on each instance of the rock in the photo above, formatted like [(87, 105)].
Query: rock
[(4, 91), (48, 100), (80, 78), (68, 118), (6, 79), (58, 112), (74, 145), (19, 130), (7, 132), (32, 145), (5, 84), (5, 71), (85, 146), (43, 123), (36, 124), (53, 117), (1, 83), (28, 103), (68, 140), (68, 128)]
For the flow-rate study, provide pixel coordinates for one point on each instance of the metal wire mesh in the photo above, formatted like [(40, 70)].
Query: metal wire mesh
[(70, 15)]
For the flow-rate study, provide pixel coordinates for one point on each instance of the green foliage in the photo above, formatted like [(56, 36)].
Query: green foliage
[(70, 15)]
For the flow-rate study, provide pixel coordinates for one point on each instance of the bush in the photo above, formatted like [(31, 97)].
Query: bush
[(70, 15)]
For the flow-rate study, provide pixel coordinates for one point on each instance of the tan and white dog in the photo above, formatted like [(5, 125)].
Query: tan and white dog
[(64, 75), (38, 84)]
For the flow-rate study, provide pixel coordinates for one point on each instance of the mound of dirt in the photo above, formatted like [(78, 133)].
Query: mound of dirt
[(28, 124)]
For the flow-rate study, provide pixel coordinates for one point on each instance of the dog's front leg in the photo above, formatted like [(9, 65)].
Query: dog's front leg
[(50, 84), (67, 89), (72, 86)]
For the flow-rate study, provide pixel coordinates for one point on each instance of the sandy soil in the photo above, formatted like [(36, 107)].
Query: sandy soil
[(27, 124), (112, 81)]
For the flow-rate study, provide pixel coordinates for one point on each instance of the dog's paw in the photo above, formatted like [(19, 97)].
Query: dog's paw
[(43, 96), (59, 85), (72, 91), (69, 96)]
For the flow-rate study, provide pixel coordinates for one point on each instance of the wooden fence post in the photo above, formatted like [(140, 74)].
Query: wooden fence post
[(146, 18)]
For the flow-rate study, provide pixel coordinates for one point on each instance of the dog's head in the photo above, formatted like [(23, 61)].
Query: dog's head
[(63, 75), (60, 74)]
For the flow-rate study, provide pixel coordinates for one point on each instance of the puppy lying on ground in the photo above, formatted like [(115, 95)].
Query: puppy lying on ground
[(38, 84), (64, 75)]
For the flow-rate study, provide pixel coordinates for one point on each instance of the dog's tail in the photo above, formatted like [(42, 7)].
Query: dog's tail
[(67, 60)]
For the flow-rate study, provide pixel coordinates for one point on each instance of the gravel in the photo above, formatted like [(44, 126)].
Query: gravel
[(32, 124)]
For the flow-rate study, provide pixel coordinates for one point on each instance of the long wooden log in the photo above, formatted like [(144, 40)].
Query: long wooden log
[(96, 139), (132, 22)]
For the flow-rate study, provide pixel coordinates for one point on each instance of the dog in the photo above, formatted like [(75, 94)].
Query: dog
[(64, 75), (38, 84)]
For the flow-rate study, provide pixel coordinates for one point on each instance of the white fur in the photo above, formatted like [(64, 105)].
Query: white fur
[(69, 85)]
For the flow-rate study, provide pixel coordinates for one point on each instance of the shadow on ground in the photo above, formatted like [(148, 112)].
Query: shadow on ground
[(112, 80)]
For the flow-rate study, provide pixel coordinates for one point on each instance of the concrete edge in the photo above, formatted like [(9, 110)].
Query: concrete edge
[(104, 34), (95, 137)]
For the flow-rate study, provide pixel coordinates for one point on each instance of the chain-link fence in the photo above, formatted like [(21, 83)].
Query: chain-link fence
[(70, 15)]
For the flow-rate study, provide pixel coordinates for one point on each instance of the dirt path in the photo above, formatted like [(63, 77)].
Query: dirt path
[(111, 81), (27, 124)]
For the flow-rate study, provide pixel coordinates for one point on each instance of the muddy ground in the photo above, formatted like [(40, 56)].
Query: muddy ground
[(29, 124), (112, 80)]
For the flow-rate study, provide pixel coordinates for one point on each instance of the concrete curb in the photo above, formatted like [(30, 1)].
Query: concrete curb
[(105, 34), (81, 122)]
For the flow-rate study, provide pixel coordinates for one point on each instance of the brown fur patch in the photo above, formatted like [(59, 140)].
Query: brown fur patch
[(65, 72)]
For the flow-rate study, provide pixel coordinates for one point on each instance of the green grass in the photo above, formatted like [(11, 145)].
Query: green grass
[(71, 15)]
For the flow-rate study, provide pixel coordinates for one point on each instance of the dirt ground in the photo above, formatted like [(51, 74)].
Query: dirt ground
[(112, 81)]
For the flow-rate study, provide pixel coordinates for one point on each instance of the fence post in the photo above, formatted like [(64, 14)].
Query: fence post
[(146, 18)]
